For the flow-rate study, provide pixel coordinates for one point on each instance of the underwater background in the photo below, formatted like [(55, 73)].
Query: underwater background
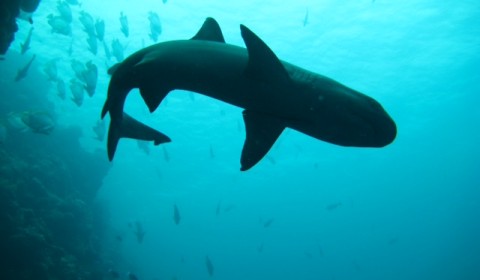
[(183, 210)]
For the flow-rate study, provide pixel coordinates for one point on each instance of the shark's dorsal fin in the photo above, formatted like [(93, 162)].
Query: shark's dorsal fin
[(262, 62), (262, 131), (210, 31)]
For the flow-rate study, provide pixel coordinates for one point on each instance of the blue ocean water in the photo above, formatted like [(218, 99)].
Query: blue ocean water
[(310, 210)]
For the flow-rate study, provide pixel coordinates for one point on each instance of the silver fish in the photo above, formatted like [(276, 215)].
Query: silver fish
[(26, 45), (77, 92)]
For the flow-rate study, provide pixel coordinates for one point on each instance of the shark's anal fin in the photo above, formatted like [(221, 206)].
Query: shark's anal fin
[(128, 127), (262, 132), (210, 31), (263, 64)]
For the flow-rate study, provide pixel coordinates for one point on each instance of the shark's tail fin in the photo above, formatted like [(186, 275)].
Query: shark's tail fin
[(128, 127)]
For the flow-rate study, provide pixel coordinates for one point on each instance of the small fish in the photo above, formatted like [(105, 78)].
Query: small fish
[(26, 45), (61, 91), (260, 248), (119, 238), (79, 68), (100, 29), (59, 25), (50, 69), (356, 266), (124, 24), (308, 255), (88, 23), (155, 26), (132, 276), (90, 76), (176, 214), (164, 1), (270, 159), (65, 11), (305, 19), (393, 241), (166, 156), (22, 72), (40, 122), (333, 206), (219, 208), (143, 145), (99, 130), (15, 123), (113, 274), (117, 50), (108, 54), (92, 44), (139, 232), (268, 223), (209, 265), (26, 16), (212, 153), (229, 208), (76, 88), (320, 251)]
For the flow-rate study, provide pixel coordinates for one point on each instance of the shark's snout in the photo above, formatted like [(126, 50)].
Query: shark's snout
[(384, 129), (367, 124), (385, 132)]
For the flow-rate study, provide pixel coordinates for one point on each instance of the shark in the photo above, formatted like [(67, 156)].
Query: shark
[(274, 94)]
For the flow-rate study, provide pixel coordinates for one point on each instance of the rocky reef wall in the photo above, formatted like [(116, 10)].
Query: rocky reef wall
[(50, 225)]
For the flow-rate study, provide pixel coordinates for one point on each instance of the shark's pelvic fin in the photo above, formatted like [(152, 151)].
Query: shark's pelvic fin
[(153, 94), (263, 64), (262, 132), (128, 127), (210, 31)]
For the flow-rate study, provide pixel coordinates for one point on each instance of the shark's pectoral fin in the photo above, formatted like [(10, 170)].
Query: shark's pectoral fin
[(128, 127), (210, 31), (153, 94), (262, 132), (263, 64)]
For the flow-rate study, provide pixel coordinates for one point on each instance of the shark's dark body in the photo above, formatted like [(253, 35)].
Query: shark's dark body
[(274, 94)]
